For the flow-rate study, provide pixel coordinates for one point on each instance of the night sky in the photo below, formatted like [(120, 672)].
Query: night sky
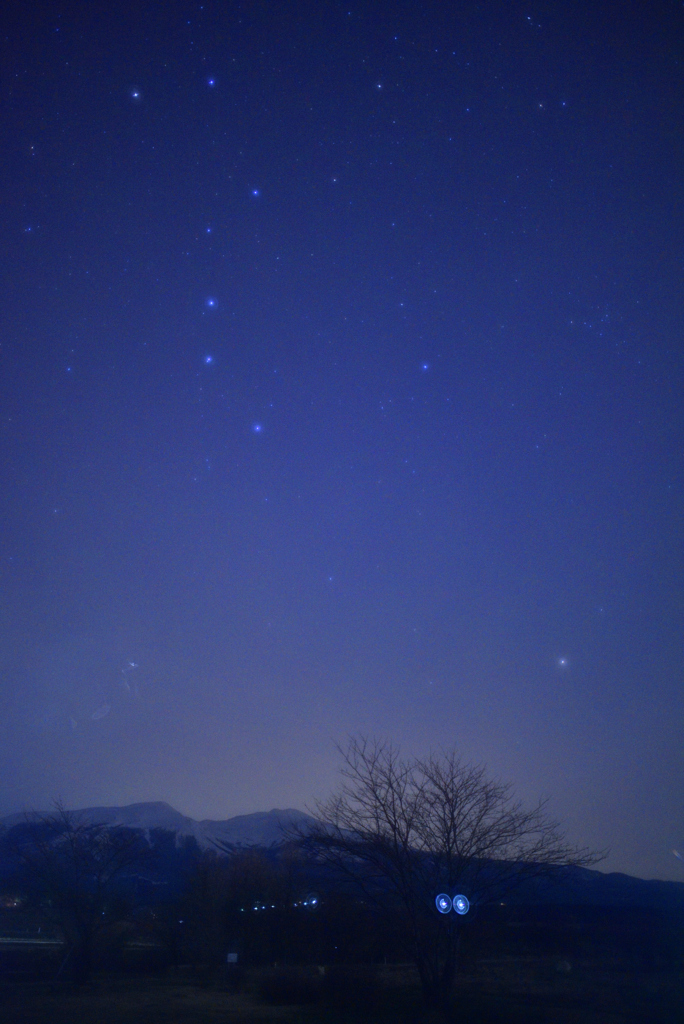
[(341, 392)]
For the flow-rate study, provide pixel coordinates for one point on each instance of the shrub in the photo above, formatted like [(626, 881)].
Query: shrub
[(288, 987), (351, 988)]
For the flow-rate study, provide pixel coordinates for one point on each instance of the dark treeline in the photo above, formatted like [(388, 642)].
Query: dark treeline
[(123, 899), (167, 902)]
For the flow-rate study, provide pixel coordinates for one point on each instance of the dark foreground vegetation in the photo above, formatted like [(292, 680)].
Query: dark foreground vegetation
[(542, 965), (490, 990), (338, 922)]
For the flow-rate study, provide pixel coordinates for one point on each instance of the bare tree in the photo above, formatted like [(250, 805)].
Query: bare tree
[(401, 831), (70, 868)]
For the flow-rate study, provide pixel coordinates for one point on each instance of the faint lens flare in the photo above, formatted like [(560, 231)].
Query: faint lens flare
[(130, 667), (678, 855), (78, 676)]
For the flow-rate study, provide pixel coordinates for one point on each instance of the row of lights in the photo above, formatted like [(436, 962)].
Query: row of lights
[(312, 901)]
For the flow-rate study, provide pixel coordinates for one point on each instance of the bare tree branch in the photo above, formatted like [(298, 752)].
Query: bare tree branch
[(71, 867), (401, 830)]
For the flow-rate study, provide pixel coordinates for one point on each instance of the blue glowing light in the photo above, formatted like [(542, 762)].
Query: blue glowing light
[(208, 360), (257, 428), (461, 904), (443, 903), (256, 192), (211, 303), (211, 82)]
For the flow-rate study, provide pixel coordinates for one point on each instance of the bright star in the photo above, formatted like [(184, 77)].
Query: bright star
[(256, 192), (208, 360), (211, 82), (211, 303), (425, 366), (257, 428)]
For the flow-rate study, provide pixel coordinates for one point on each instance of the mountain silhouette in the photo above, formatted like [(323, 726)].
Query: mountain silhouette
[(263, 828)]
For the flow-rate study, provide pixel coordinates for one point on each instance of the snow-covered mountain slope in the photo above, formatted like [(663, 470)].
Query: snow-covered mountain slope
[(262, 828)]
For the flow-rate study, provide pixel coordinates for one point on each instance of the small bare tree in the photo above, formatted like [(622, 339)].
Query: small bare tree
[(401, 831), (70, 868)]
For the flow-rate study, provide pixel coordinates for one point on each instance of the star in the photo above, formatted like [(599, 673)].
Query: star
[(257, 428), (208, 360), (211, 303)]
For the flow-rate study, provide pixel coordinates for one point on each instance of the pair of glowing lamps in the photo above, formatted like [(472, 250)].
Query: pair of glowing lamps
[(445, 903)]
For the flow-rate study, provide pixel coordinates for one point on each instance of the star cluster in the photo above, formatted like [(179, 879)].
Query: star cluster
[(341, 392)]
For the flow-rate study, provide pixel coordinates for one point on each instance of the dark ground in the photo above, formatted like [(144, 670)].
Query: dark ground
[(505, 990)]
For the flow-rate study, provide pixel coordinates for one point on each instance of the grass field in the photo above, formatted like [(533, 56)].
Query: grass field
[(497, 991)]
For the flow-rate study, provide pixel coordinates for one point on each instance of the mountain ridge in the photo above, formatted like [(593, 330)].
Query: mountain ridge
[(265, 829), (261, 828)]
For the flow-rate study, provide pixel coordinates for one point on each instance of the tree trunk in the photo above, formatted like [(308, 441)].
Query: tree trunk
[(437, 979)]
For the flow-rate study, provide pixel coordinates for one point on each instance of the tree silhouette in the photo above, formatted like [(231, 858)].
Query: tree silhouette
[(70, 870), (401, 831)]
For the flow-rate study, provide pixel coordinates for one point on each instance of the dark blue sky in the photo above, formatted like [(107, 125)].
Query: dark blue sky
[(341, 391)]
